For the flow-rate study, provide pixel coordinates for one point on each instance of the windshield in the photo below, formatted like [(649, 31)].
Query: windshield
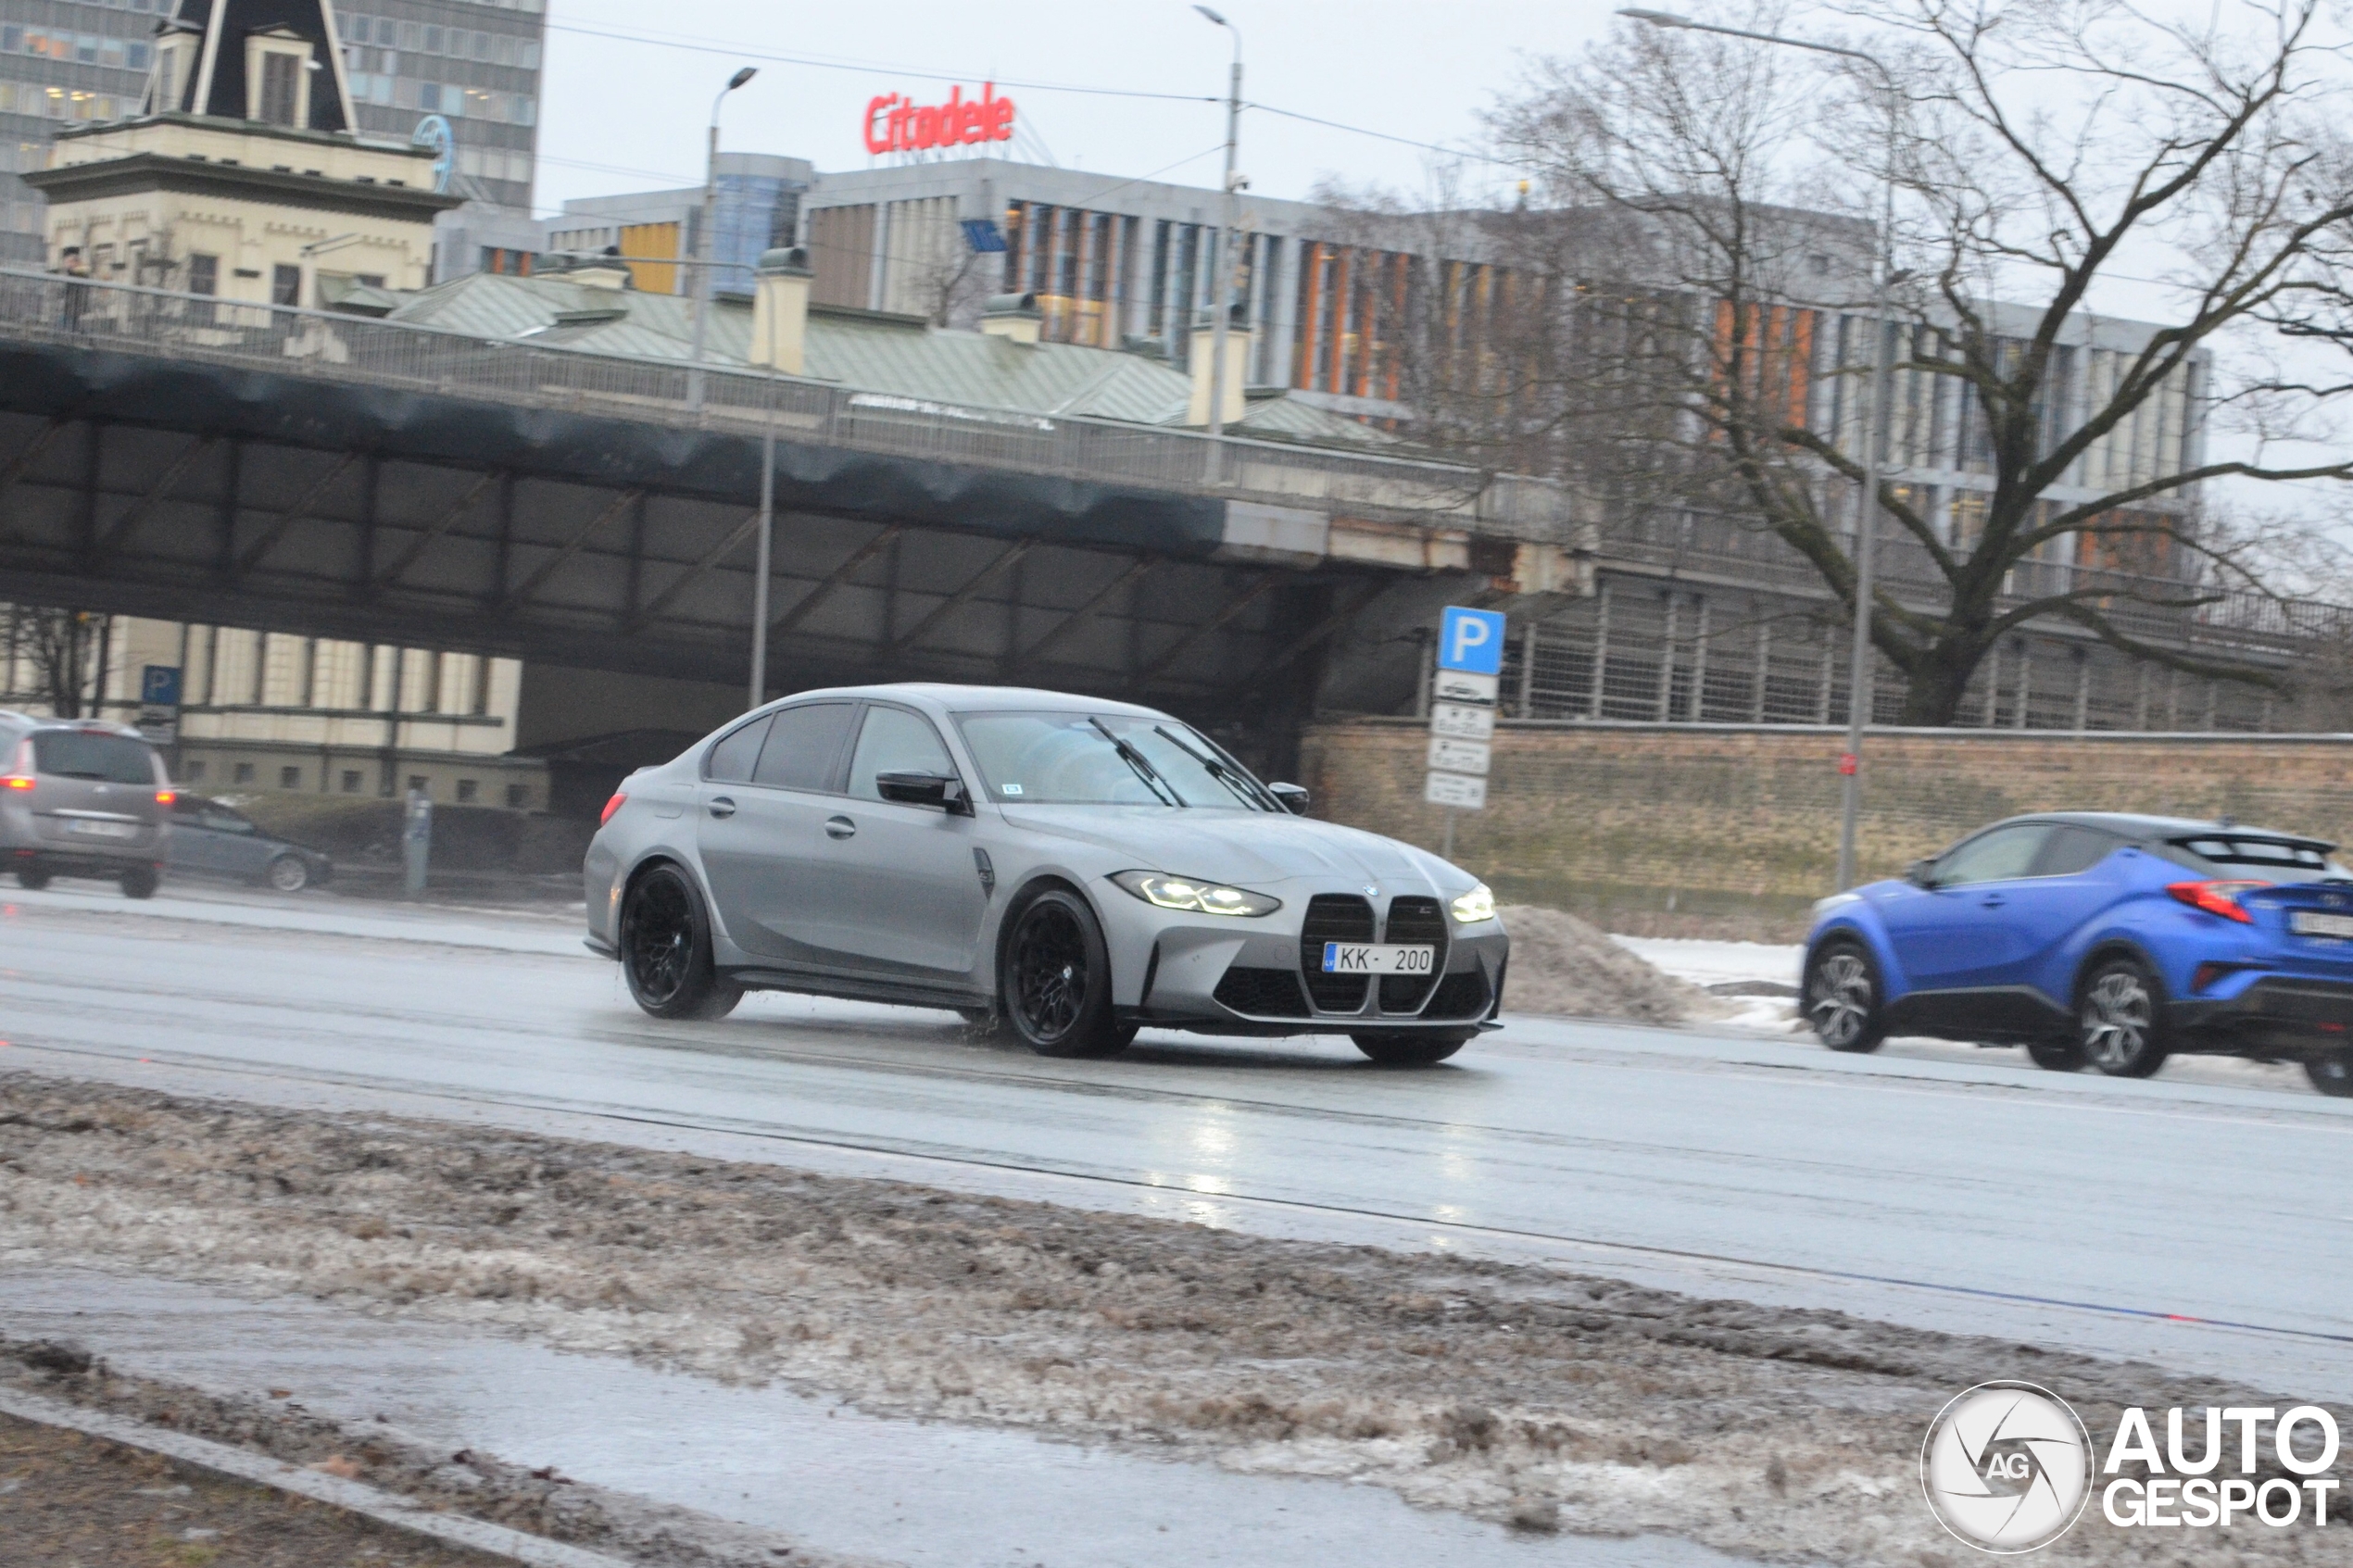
[(85, 754), (1081, 759), (2273, 860)]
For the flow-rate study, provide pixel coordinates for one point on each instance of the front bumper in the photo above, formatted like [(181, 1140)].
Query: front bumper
[(2277, 1015), (1248, 977)]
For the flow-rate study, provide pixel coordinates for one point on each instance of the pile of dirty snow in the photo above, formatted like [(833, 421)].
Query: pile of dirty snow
[(1562, 965)]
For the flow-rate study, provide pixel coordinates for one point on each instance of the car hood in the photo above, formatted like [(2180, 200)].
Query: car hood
[(1247, 848)]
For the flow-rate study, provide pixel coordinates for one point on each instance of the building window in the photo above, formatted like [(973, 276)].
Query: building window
[(244, 773), (518, 796), (467, 791), (285, 282), (193, 771), (351, 780), (204, 274), (289, 778), (281, 79), (419, 785)]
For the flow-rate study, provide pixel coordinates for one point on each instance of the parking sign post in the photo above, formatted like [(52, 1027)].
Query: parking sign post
[(1462, 712)]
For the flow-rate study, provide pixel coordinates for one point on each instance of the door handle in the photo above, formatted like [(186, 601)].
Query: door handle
[(840, 827), (1995, 900), (721, 807)]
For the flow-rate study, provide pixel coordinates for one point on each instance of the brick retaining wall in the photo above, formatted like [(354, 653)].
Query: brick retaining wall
[(1685, 830)]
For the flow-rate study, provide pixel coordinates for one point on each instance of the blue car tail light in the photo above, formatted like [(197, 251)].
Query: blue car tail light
[(2218, 895)]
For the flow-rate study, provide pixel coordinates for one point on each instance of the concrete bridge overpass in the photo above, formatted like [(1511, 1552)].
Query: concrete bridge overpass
[(340, 477)]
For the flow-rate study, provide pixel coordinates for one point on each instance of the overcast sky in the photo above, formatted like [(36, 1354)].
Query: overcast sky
[(623, 113)]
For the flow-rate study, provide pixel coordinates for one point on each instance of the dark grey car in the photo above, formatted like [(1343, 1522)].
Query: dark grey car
[(211, 839), (81, 798)]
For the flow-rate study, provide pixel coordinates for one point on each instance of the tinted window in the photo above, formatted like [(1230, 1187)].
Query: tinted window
[(802, 745), (2273, 860), (733, 757), (1994, 857), (894, 741), (79, 754), (2071, 850)]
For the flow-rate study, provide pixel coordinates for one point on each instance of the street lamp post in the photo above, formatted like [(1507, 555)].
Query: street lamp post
[(703, 236), (1227, 238), (1859, 686)]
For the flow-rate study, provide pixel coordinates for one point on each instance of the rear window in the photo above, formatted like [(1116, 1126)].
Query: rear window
[(2275, 859), (83, 754)]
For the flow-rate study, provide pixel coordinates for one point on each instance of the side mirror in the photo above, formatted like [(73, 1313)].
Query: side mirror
[(1293, 797), (1921, 873), (925, 789)]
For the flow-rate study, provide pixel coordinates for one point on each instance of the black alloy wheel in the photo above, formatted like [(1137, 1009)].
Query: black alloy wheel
[(1842, 997), (2060, 1055), (1054, 980), (2332, 1075), (140, 882), (2119, 1011), (665, 949), (1405, 1048)]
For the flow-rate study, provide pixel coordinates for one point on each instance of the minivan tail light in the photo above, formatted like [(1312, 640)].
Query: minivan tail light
[(165, 796), (16, 780), (2217, 898), (610, 807)]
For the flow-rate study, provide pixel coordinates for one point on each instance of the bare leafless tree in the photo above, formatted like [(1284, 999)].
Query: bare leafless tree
[(1688, 327), (60, 648)]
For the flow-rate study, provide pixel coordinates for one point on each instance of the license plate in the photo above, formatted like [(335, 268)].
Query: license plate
[(104, 830), (1369, 958), (2310, 922)]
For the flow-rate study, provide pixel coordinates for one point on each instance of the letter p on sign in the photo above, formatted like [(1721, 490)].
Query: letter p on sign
[(1470, 640)]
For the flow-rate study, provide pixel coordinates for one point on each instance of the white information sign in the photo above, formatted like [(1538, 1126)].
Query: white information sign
[(1460, 685), (1455, 789), (1449, 756), (1461, 721)]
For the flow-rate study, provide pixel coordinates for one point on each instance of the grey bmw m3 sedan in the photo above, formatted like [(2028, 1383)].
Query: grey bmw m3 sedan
[(1069, 868)]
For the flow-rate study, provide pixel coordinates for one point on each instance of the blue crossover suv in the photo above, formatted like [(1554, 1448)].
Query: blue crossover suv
[(2107, 940)]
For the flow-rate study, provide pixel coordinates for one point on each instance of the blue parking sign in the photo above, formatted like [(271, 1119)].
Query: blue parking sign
[(160, 685), (1471, 641)]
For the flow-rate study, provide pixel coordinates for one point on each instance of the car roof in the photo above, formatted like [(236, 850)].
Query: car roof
[(33, 721), (2135, 826), (946, 698)]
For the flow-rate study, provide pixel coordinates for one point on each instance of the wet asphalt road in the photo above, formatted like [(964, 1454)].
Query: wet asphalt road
[(2209, 1227)]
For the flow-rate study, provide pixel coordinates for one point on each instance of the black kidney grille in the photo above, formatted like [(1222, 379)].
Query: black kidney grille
[(1334, 917), (1413, 919), (1263, 993), (1459, 995)]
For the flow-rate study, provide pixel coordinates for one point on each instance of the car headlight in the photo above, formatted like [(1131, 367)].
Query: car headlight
[(1476, 905), (1200, 897)]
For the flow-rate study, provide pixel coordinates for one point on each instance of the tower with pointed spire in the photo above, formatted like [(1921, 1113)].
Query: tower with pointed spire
[(243, 175)]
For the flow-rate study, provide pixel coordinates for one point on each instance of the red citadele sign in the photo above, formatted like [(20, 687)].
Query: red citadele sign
[(899, 125)]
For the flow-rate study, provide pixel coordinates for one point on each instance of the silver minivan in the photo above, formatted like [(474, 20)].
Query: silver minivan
[(82, 797)]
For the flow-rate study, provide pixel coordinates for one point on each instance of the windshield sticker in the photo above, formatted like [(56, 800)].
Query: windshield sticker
[(1012, 789)]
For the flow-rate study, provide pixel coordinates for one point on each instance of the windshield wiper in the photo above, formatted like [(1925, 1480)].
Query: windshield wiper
[(1163, 791), (1245, 788)]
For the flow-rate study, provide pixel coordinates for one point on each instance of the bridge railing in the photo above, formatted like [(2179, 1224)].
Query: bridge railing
[(130, 319)]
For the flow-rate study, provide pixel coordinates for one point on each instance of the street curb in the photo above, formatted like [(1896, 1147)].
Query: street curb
[(353, 1497)]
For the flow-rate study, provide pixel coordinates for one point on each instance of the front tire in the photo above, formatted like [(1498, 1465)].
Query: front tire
[(1053, 979), (1842, 997), (2332, 1075), (2057, 1056), (665, 949), (32, 878), (140, 882), (2117, 1008), (289, 873), (1400, 1048)]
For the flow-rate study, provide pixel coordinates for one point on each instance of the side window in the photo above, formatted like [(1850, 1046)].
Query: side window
[(1994, 857), (802, 746), (894, 741), (2070, 851), (733, 757)]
